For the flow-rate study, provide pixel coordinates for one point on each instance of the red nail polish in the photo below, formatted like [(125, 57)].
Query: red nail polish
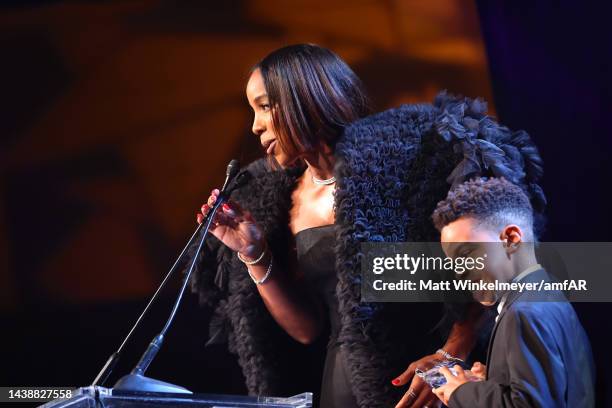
[(396, 381), (226, 207)]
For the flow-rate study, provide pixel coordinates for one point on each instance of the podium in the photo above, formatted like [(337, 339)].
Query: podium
[(94, 397)]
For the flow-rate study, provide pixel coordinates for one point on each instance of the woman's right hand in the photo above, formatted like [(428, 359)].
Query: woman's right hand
[(234, 227)]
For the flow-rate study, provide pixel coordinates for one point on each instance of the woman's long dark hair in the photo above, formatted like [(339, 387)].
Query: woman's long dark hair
[(313, 93)]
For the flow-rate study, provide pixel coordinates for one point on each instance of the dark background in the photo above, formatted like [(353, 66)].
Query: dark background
[(118, 117)]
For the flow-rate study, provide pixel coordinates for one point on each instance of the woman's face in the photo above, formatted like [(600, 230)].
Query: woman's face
[(262, 121)]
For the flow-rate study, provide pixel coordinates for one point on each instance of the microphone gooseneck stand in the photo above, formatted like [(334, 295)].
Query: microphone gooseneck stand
[(136, 381)]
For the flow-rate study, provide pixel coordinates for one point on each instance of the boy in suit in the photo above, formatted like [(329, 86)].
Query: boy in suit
[(539, 354)]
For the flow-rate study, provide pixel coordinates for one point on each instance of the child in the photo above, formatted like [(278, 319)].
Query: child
[(539, 354)]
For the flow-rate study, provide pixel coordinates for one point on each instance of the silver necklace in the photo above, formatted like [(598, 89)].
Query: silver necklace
[(325, 182)]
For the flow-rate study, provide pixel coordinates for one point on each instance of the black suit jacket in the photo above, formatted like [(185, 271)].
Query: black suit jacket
[(539, 356)]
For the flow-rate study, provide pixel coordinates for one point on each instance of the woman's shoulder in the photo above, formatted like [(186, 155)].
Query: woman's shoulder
[(422, 112), (402, 125)]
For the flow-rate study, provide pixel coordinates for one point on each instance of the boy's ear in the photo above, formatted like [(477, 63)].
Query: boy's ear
[(511, 236)]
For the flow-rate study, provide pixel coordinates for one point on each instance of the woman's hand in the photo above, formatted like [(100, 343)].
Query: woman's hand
[(419, 393), (285, 301), (234, 227)]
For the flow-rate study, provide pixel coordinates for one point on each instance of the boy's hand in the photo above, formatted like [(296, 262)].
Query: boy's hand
[(479, 371), (445, 391)]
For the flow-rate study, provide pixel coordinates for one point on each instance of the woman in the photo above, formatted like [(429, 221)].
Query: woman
[(325, 96), (288, 250)]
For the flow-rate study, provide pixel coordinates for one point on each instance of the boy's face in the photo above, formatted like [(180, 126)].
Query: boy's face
[(465, 238)]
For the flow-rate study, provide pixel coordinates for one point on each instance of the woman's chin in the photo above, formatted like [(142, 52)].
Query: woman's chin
[(284, 161)]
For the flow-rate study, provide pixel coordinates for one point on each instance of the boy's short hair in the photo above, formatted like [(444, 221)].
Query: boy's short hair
[(494, 202)]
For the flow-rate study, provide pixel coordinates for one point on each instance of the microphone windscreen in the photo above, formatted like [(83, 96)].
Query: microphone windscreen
[(232, 168)]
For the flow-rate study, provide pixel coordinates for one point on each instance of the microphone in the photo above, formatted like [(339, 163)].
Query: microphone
[(232, 169), (136, 380)]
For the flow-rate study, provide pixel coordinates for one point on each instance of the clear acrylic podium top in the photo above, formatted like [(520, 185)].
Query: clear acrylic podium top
[(107, 397)]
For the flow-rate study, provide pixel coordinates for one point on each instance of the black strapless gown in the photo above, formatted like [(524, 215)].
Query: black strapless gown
[(316, 259)]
